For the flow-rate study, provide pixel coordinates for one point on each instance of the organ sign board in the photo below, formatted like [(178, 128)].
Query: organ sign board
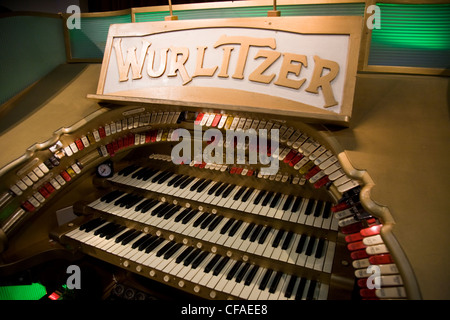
[(297, 66)]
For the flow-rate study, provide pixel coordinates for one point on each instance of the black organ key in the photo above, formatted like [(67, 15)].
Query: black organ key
[(199, 259), (290, 286), (256, 233), (220, 190), (267, 198), (247, 231), (103, 228), (141, 241), (288, 202), (156, 210), (300, 289), (182, 214), (259, 197), (128, 170), (150, 205), (220, 265), (190, 258), (327, 210), (228, 190), (115, 232), (251, 275), (154, 244), (275, 200), (142, 204), (172, 250), (311, 290), (215, 222), (301, 243), (235, 228), (164, 210), (180, 181), (171, 212), (147, 242), (233, 270), (138, 173), (158, 176), (227, 226), (184, 254), (309, 207), (124, 235), (242, 272), (148, 174), (264, 235), (214, 188), (113, 195), (320, 247), (165, 248), (131, 237), (207, 221), (189, 216), (275, 282), (92, 224), (204, 185), (278, 238), (247, 194), (287, 240), (185, 183), (165, 177), (196, 185), (135, 199), (296, 204), (212, 263), (318, 208), (310, 246), (239, 193), (174, 179), (200, 219), (265, 279)]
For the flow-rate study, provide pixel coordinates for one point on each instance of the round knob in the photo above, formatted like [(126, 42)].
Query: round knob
[(146, 229), (213, 211), (187, 205), (197, 289), (185, 241), (245, 258), (163, 199), (152, 273), (138, 268), (158, 233), (166, 278), (175, 202), (200, 208), (214, 249), (181, 283), (199, 245), (212, 294), (171, 237), (229, 253), (126, 263)]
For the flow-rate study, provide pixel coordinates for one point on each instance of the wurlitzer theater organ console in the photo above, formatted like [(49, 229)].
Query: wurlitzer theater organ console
[(109, 191)]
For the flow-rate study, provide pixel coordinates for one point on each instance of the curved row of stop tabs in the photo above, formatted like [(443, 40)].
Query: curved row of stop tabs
[(46, 184), (298, 150), (377, 274)]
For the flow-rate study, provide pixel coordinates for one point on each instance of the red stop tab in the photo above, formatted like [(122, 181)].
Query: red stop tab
[(371, 231), (381, 259)]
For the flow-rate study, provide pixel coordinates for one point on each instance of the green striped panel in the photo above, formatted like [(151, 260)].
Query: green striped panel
[(34, 291), (89, 41), (32, 46), (412, 35)]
